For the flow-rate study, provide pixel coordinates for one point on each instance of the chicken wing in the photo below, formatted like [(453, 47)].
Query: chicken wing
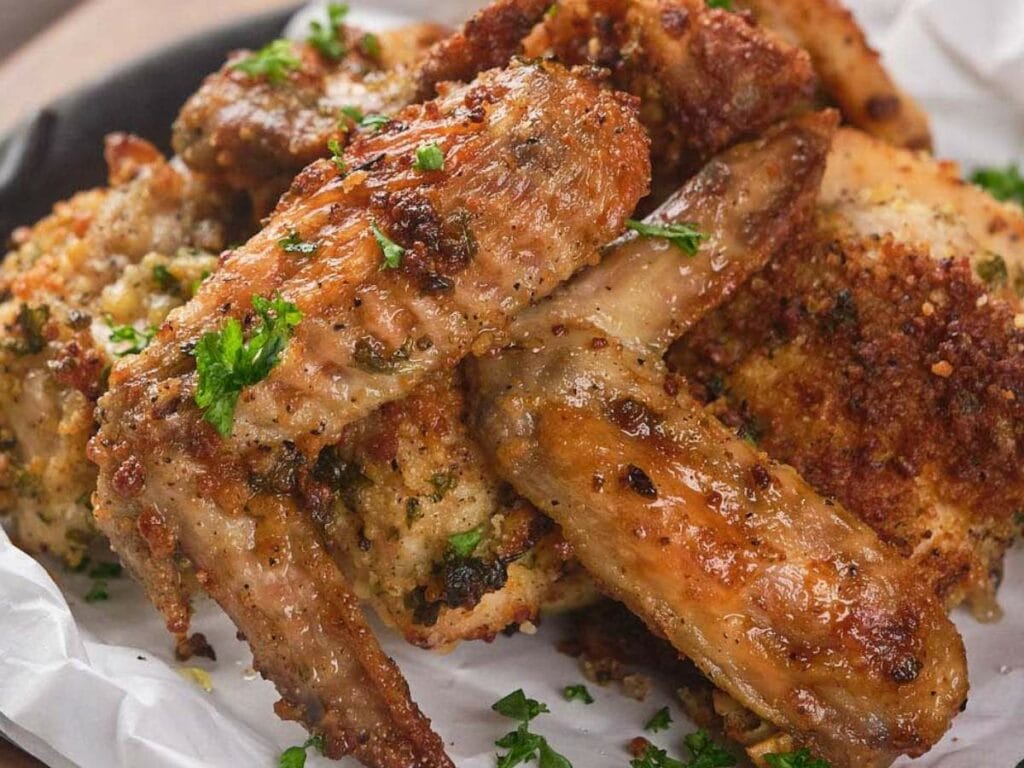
[(881, 368), (783, 598), (851, 72), (259, 132), (115, 258), (540, 167)]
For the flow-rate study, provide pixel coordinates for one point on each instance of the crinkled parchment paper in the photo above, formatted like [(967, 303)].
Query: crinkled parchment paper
[(96, 684)]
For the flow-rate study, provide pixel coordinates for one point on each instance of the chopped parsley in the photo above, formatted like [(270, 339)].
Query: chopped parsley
[(295, 244), (992, 271), (392, 251), (199, 281), (295, 757), (800, 759), (374, 122), (326, 38), (31, 321), (1002, 183), (704, 753), (226, 364), (442, 482), (463, 545), (337, 155), (682, 236), (367, 122), (135, 339), (273, 61), (523, 746), (370, 45), (660, 721), (725, 5), (429, 157), (167, 282), (106, 571), (97, 593), (577, 693)]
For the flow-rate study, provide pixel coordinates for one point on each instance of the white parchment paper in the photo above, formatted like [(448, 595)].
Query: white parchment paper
[(96, 685)]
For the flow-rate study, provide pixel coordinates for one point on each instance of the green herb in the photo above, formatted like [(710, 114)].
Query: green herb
[(374, 122), (800, 759), (655, 758), (295, 244), (992, 271), (226, 364), (165, 280), (273, 61), (442, 482), (682, 236), (577, 693), (355, 114), (370, 354), (371, 45), (706, 753), (199, 281), (463, 545), (97, 593), (392, 251), (522, 745), (1002, 183), (413, 512), (135, 339), (429, 157), (106, 571), (31, 321), (337, 155), (295, 757), (725, 5), (326, 38), (660, 721)]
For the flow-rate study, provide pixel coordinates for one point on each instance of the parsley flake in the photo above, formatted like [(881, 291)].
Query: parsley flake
[(374, 122), (660, 721), (326, 38), (295, 757), (226, 364), (725, 5), (337, 155), (295, 244), (429, 157), (522, 745), (370, 45), (706, 753), (392, 251), (517, 707), (135, 339), (273, 61), (97, 593), (993, 271), (167, 282), (367, 122), (106, 571), (682, 236), (800, 759), (1002, 183), (463, 545), (577, 693), (31, 321)]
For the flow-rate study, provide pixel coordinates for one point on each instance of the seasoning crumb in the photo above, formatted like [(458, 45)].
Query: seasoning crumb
[(943, 368), (927, 309), (198, 676), (636, 686)]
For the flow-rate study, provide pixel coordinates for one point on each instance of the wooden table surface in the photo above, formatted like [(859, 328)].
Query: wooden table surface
[(90, 40)]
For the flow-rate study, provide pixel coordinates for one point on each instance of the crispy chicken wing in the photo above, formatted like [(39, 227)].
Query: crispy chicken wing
[(851, 72), (782, 598), (540, 167), (120, 257), (258, 133), (881, 368), (706, 77)]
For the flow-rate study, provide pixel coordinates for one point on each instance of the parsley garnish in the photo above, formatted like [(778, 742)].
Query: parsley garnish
[(295, 244), (32, 323), (337, 156), (682, 236), (273, 61), (326, 38), (295, 757), (226, 364), (429, 157), (374, 122), (1002, 183), (660, 721), (704, 753), (442, 482), (463, 545), (522, 745), (577, 693), (992, 271), (97, 593), (800, 759), (392, 251), (105, 571), (199, 281), (135, 339), (165, 280), (725, 5), (371, 45)]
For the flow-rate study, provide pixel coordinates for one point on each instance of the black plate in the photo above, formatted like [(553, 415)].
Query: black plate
[(59, 150)]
